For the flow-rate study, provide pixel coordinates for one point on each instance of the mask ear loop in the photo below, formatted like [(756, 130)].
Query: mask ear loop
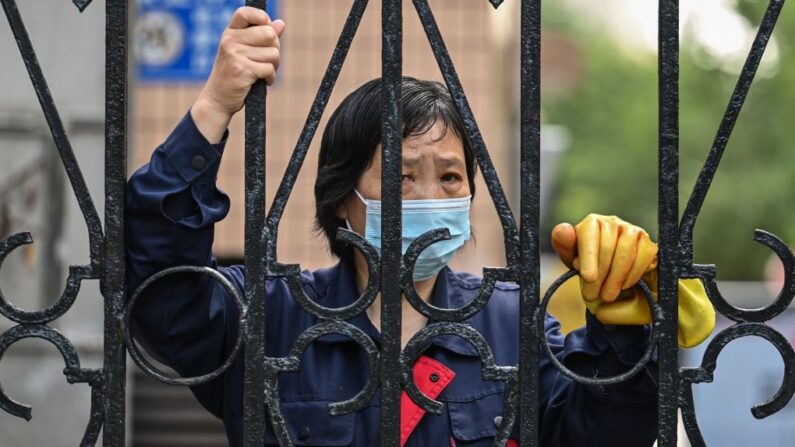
[(359, 195), (362, 199)]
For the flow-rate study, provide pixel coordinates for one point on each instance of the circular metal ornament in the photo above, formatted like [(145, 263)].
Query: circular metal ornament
[(657, 317), (153, 371)]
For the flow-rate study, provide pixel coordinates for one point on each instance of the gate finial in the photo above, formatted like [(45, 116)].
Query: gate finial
[(81, 4)]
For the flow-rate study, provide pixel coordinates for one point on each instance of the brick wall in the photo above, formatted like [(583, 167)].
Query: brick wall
[(313, 27)]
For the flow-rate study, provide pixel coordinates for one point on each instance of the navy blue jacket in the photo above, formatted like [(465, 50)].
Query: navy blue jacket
[(190, 323)]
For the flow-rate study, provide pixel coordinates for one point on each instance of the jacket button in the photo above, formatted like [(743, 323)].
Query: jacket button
[(434, 377), (198, 162), (303, 433), (497, 421)]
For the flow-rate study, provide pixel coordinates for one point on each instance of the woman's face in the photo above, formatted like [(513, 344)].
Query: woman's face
[(433, 168)]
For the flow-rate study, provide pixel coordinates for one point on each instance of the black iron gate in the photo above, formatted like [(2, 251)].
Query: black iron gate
[(392, 274)]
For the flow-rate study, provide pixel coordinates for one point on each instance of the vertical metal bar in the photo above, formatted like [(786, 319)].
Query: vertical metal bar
[(255, 263), (391, 229), (530, 119), (668, 218), (112, 283)]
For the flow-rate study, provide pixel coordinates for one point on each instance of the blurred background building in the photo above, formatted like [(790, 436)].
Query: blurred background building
[(599, 155)]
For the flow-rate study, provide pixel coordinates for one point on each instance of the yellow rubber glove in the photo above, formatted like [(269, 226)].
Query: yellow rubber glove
[(612, 256)]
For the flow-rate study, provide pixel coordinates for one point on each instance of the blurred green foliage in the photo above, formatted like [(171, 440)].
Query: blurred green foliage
[(611, 165)]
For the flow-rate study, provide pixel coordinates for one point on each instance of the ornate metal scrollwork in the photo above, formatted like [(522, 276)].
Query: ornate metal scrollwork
[(392, 272), (749, 322), (33, 324)]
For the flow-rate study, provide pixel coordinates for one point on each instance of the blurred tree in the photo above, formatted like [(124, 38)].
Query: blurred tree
[(611, 166)]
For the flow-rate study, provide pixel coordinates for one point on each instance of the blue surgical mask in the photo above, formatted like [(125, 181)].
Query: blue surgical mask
[(419, 217)]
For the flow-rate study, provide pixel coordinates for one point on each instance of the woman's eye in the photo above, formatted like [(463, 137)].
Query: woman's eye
[(448, 178)]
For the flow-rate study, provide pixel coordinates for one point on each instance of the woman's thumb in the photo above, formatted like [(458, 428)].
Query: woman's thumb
[(564, 241), (278, 26)]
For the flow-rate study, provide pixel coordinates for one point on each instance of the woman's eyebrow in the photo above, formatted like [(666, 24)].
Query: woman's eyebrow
[(447, 162)]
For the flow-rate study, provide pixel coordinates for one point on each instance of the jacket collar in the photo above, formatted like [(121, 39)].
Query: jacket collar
[(341, 290)]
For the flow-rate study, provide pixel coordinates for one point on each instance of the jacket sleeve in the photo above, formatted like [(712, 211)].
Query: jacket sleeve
[(185, 320), (573, 414)]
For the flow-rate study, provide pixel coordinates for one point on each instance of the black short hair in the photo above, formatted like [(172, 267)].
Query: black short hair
[(354, 131)]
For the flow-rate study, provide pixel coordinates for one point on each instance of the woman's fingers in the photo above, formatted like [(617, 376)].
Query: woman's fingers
[(264, 71), (278, 25), (246, 16), (261, 54), (608, 237), (564, 242), (608, 230), (623, 261), (588, 247), (258, 36), (646, 260), (248, 50), (610, 254)]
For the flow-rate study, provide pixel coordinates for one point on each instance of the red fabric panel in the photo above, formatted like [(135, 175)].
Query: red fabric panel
[(411, 413)]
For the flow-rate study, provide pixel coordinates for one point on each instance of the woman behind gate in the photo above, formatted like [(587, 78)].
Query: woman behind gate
[(190, 322)]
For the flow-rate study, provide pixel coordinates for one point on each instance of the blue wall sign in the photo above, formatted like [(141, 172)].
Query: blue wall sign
[(176, 40)]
